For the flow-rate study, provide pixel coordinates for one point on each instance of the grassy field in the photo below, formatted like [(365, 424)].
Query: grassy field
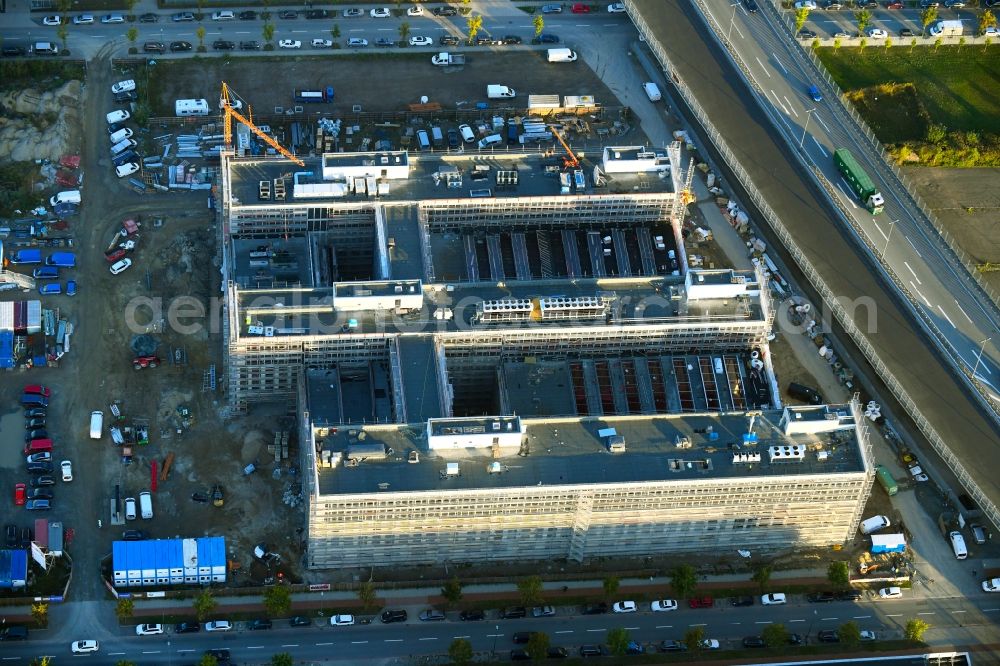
[(958, 86)]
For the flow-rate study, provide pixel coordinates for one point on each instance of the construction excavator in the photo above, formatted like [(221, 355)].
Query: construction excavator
[(227, 105)]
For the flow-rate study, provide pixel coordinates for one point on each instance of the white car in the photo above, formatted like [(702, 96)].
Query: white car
[(890, 593), (867, 635), (341, 620), (149, 629), (290, 44), (52, 20), (710, 644), (225, 15), (616, 8), (663, 605), (877, 33), (322, 43), (991, 585), (806, 4), (624, 607), (380, 12), (416, 10), (83, 647), (991, 32), (354, 12), (126, 169), (357, 42), (918, 473), (219, 625), (774, 599), (83, 19), (118, 116), (420, 40), (127, 85), (113, 18), (67, 470), (120, 266)]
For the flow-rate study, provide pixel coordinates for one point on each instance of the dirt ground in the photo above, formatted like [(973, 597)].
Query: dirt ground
[(967, 202), (412, 76)]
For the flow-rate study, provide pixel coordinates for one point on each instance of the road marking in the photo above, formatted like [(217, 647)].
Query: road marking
[(880, 231), (959, 611), (928, 613), (738, 31), (457, 637), (244, 32), (762, 66), (184, 650), (151, 652), (945, 314), (319, 644), (494, 635), (991, 610), (776, 99), (790, 106), (110, 654), (358, 642), (736, 623), (659, 626), (565, 631), (298, 32), (819, 119), (929, 304), (18, 658), (796, 621), (255, 647), (778, 60), (896, 615), (581, 25), (703, 624), (429, 638), (963, 312), (861, 617), (609, 25), (632, 628), (290, 645), (913, 272), (849, 198), (828, 618), (764, 622), (594, 631), (393, 640), (820, 146), (356, 30)]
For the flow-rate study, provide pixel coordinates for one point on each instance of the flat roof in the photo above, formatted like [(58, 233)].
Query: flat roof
[(570, 452)]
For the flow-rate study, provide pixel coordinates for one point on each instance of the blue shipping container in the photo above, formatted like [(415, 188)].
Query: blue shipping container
[(64, 259), (27, 257), (6, 350)]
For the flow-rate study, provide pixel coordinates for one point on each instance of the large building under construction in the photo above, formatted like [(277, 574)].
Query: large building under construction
[(400, 301)]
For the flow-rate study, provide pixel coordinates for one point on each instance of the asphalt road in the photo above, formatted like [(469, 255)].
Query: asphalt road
[(354, 644), (829, 23), (765, 152)]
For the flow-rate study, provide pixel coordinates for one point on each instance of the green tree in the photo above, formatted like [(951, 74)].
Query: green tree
[(683, 580), (864, 19), (208, 660), (268, 32), (862, 44), (124, 662), (936, 133), (693, 638), (282, 659), (961, 42), (815, 44), (124, 609), (618, 639), (64, 5), (986, 44), (611, 584), (404, 32), (539, 23), (460, 651), (927, 16), (839, 573), (201, 8), (200, 32), (937, 44), (837, 43), (801, 16), (40, 614), (41, 661), (367, 594), (473, 25), (531, 590), (987, 20), (915, 628), (204, 604), (452, 590), (849, 633), (62, 32), (538, 645), (762, 576), (130, 5), (888, 43), (913, 44), (278, 600), (775, 635), (335, 31), (266, 14), (131, 35)]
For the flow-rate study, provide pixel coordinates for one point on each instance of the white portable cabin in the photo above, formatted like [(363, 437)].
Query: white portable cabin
[(191, 107)]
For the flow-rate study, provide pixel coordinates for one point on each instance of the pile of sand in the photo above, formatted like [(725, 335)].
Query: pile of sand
[(36, 125)]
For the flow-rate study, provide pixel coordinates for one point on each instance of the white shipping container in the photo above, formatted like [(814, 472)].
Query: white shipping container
[(7, 316)]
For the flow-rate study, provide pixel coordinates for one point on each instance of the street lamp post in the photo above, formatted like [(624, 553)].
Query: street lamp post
[(806, 128), (982, 346), (496, 633), (887, 237), (732, 20)]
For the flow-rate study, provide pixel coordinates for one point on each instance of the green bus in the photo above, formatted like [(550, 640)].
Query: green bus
[(886, 480)]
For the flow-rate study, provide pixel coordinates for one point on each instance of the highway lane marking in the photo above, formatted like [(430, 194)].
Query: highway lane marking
[(913, 246), (390, 30), (358, 642), (703, 624), (429, 638), (322, 644), (594, 631), (963, 311), (18, 658), (819, 119), (290, 645), (255, 647), (861, 617), (764, 622), (778, 60), (565, 631), (609, 25), (990, 610), (393, 640), (494, 635), (913, 272), (896, 615), (632, 628), (581, 25), (828, 618), (149, 652), (790, 106), (778, 100), (880, 231), (945, 315), (736, 623), (820, 146), (659, 626), (737, 28), (796, 620), (110, 654), (959, 611), (186, 650), (929, 304), (849, 198), (298, 32), (762, 66)]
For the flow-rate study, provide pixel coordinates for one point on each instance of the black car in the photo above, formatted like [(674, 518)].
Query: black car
[(223, 45), (148, 18), (125, 158), (828, 636), (807, 34), (453, 140), (591, 651), (385, 42), (390, 616), (12, 51), (250, 46), (300, 621), (10, 532), (187, 628), (248, 15), (471, 615), (14, 633), (519, 655), (821, 597), (512, 612), (906, 32), (672, 646), (180, 46), (868, 4), (259, 625), (154, 47), (127, 96), (37, 433), (288, 14), (522, 637), (741, 601), (754, 642), (485, 41), (133, 535), (41, 493), (448, 40), (545, 38), (751, 6), (512, 39), (40, 468), (26, 537), (32, 424), (556, 652), (317, 14), (40, 481), (595, 609), (34, 413), (182, 17), (114, 127), (444, 11), (832, 6)]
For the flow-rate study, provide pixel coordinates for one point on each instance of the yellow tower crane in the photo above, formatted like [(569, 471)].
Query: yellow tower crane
[(228, 112)]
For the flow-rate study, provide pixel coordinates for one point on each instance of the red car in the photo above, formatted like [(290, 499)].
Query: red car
[(894, 4), (580, 8), (140, 362), (37, 389), (112, 257), (701, 602), (19, 494)]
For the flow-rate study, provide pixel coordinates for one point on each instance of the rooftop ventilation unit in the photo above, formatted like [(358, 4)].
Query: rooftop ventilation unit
[(451, 469), (506, 309), (576, 307), (496, 468), (793, 452), (745, 458)]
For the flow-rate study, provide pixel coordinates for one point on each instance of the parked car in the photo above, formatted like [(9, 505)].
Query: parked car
[(906, 32), (182, 17), (472, 615), (849, 595), (432, 615), (393, 615), (259, 625), (545, 38), (20, 494), (248, 15), (223, 45), (290, 44), (821, 597), (219, 625), (448, 40), (317, 14), (624, 607), (154, 47), (421, 40), (552, 9), (341, 620), (66, 467), (40, 457), (701, 602), (415, 10), (543, 611), (250, 46), (187, 628), (512, 40), (890, 593), (300, 621), (806, 4), (33, 424), (126, 169), (380, 12), (357, 42), (512, 612), (134, 535), (773, 599), (288, 14), (384, 42), (522, 637), (672, 646), (224, 15), (828, 636), (38, 505), (580, 8), (177, 47), (741, 601), (877, 33), (120, 266), (754, 642), (444, 11), (83, 19), (84, 647), (38, 389), (832, 5), (661, 605), (595, 609), (616, 8), (806, 34), (40, 481), (320, 43), (148, 18), (894, 4), (40, 467), (52, 19), (149, 630), (354, 12)]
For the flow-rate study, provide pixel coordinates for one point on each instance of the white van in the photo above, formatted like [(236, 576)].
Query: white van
[(65, 197), (494, 91), (146, 505), (44, 48), (958, 545), (467, 134), (96, 424), (423, 141), (652, 91), (130, 508), (491, 140), (128, 85), (874, 524), (122, 146), (121, 135), (561, 55), (118, 116)]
